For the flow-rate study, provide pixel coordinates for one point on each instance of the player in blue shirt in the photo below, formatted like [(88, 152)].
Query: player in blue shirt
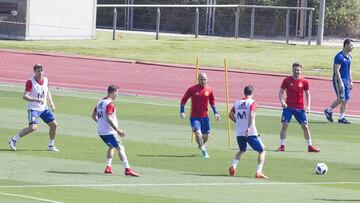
[(342, 82)]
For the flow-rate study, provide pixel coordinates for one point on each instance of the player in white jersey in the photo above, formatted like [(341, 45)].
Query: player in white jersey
[(243, 114), (104, 115), (37, 94)]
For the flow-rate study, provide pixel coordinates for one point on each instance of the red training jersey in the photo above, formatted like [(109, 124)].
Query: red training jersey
[(200, 97), (295, 91)]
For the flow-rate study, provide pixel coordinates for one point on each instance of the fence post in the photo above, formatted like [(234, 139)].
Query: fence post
[(310, 27), (157, 23), (287, 25), (114, 22), (252, 26), (237, 15), (197, 23)]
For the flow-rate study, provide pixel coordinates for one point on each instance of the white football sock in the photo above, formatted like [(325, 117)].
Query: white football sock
[(342, 115), (51, 143), (108, 162), (329, 110), (203, 148), (309, 142), (282, 141), (235, 163), (16, 138), (259, 168), (126, 164)]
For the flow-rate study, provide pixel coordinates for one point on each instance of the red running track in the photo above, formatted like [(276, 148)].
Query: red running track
[(156, 80)]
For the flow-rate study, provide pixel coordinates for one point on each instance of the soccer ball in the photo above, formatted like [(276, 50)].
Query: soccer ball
[(321, 168)]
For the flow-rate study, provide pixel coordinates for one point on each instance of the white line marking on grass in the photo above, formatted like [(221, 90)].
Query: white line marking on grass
[(179, 184), (28, 197)]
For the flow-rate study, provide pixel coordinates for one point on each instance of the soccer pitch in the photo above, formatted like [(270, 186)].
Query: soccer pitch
[(170, 167)]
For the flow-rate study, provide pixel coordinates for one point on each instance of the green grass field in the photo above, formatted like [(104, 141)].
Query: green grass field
[(171, 168), (241, 54)]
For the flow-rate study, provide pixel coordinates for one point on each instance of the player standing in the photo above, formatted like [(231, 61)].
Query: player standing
[(104, 115), (342, 82), (37, 94), (200, 94), (295, 86), (243, 114)]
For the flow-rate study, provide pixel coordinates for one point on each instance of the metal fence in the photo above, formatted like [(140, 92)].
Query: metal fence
[(238, 20)]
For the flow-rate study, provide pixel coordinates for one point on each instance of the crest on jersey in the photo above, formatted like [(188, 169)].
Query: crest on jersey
[(197, 93), (291, 84), (206, 93), (300, 85)]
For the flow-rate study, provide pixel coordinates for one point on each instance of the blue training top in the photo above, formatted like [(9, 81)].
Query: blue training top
[(345, 62)]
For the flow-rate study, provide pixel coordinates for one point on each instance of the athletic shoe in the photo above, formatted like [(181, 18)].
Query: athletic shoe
[(12, 144), (108, 169), (312, 148), (260, 175), (328, 115), (344, 121), (204, 154), (281, 148), (131, 172), (53, 149), (232, 171)]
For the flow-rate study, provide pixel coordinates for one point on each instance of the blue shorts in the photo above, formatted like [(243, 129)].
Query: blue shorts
[(299, 115), (342, 93), (254, 141), (33, 116), (111, 140), (202, 124)]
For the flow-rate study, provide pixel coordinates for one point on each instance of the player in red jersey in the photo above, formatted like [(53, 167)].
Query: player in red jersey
[(200, 95), (295, 86)]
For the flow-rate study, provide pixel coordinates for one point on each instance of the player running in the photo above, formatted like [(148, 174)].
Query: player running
[(243, 114), (200, 94), (104, 115)]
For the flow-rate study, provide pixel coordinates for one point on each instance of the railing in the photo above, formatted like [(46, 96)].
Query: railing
[(237, 14)]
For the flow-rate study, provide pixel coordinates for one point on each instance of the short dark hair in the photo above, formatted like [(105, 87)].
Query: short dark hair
[(112, 88), (347, 41), (296, 64), (248, 90), (37, 66)]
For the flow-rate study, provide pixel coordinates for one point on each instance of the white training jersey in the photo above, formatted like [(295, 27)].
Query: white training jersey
[(40, 92), (103, 127), (242, 110)]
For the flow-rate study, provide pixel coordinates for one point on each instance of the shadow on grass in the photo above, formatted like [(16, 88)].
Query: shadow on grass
[(24, 150), (286, 151), (75, 172), (337, 200), (167, 155)]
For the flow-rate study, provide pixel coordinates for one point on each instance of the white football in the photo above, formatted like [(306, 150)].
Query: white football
[(321, 168)]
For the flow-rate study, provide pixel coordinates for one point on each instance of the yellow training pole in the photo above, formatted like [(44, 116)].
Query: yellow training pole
[(196, 81), (227, 100)]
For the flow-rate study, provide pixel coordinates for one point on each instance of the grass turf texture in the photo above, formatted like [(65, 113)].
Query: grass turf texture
[(241, 54), (171, 169)]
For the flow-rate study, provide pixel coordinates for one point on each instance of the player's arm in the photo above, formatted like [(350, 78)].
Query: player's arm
[(213, 106), (27, 96), (94, 114), (351, 80), (183, 101), (282, 99), (110, 109), (337, 74), (308, 100), (51, 102), (232, 115)]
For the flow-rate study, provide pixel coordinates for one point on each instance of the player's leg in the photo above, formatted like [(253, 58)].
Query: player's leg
[(205, 129), (109, 158), (301, 118), (241, 140), (48, 117), (196, 127), (33, 117), (122, 155), (256, 143), (285, 120), (340, 96), (343, 106)]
